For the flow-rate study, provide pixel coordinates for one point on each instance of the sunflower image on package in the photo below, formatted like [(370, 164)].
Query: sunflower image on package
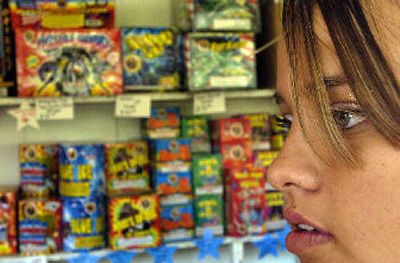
[(84, 222), (68, 62), (220, 61), (225, 15), (127, 167), (82, 170), (39, 227), (134, 222), (39, 170), (150, 58)]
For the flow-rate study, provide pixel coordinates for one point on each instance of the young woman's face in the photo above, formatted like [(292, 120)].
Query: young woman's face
[(355, 213)]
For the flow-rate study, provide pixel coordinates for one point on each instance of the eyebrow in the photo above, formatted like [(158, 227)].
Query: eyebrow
[(330, 82)]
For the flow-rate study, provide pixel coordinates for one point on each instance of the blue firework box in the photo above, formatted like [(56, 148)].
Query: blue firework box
[(82, 170), (84, 224), (151, 58), (220, 61)]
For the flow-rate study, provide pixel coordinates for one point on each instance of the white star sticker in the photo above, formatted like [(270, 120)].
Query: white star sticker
[(25, 115)]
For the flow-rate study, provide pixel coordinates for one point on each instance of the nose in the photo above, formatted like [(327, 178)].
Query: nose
[(296, 167)]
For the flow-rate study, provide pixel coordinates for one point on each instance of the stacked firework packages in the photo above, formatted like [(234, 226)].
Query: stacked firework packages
[(39, 209), (244, 183), (171, 173), (133, 213), (220, 54)]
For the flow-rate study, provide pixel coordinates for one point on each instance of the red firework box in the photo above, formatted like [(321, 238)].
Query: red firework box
[(235, 153), (8, 221), (245, 201), (39, 226), (231, 129), (63, 13), (134, 222), (127, 168), (79, 62)]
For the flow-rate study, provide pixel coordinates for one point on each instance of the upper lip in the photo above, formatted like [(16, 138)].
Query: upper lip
[(294, 218)]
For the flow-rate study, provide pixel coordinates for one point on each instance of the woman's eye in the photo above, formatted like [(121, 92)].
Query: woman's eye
[(347, 119), (284, 121)]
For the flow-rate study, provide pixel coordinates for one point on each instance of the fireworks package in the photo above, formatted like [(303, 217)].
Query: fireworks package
[(8, 221), (220, 61), (209, 213), (39, 170), (39, 227), (68, 62), (134, 222), (245, 201), (82, 170), (84, 221), (196, 128), (150, 58), (127, 168), (163, 123)]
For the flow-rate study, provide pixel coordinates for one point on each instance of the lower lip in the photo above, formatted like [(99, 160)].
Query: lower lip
[(298, 240)]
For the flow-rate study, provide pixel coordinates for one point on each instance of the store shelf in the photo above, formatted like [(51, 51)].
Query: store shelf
[(155, 97)]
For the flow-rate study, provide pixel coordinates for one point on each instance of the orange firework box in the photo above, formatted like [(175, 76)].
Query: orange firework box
[(171, 150), (134, 222), (8, 221), (231, 129)]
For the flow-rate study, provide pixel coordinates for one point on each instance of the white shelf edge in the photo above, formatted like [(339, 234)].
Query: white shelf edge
[(164, 96)]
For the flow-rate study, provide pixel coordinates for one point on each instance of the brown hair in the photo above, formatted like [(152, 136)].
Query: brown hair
[(365, 68)]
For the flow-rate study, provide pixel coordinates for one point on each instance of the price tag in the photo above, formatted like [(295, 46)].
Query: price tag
[(55, 109), (133, 106), (209, 102)]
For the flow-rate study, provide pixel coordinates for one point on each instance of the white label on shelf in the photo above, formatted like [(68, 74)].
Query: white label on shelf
[(232, 24), (209, 102), (133, 106), (229, 81), (55, 108), (135, 241), (40, 259)]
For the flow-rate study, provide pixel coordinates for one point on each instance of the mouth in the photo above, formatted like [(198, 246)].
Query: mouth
[(305, 234)]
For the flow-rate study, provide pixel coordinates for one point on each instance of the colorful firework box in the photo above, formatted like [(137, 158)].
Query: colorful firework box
[(39, 170), (127, 167), (7, 56), (68, 62), (228, 15), (177, 222), (234, 153), (207, 174), (134, 222), (39, 227), (277, 141), (150, 58), (220, 61), (261, 129), (163, 123), (171, 150), (209, 213), (275, 202), (63, 13), (172, 167), (245, 201), (196, 129), (276, 125), (84, 221), (231, 129), (82, 170), (172, 182), (8, 221), (264, 158)]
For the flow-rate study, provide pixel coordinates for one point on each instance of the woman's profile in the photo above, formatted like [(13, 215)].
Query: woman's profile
[(338, 90)]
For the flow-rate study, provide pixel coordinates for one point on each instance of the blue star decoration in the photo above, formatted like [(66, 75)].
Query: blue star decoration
[(270, 243), (120, 256), (84, 258), (162, 254), (209, 245)]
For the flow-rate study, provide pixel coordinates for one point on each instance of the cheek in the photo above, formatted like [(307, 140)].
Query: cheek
[(366, 201)]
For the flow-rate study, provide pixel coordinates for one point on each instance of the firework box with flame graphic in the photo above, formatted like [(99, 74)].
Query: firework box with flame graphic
[(39, 227), (68, 62), (220, 61), (8, 221), (134, 222)]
